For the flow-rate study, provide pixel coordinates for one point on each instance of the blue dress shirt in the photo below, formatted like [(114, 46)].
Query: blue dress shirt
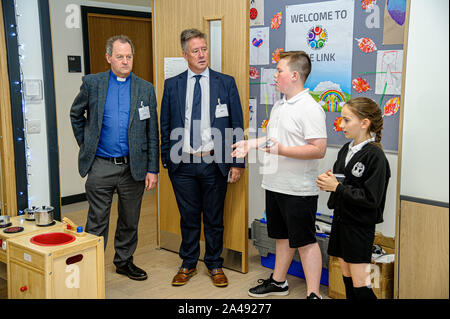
[(114, 134)]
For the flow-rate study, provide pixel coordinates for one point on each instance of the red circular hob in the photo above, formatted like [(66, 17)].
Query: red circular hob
[(52, 239)]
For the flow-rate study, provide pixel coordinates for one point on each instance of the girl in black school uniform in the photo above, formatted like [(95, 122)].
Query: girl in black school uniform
[(358, 200)]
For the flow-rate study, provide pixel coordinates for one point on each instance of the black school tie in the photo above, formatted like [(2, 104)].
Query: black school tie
[(196, 115)]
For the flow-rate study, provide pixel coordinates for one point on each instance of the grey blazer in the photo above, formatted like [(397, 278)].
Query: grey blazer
[(86, 115)]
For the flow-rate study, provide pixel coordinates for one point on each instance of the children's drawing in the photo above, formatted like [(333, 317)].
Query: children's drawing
[(392, 106), (366, 45), (269, 95), (389, 70), (259, 46), (397, 10), (360, 85)]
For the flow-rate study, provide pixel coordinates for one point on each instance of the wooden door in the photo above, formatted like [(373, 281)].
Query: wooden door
[(102, 26), (170, 17)]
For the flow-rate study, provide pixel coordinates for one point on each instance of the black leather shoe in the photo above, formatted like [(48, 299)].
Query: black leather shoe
[(132, 271)]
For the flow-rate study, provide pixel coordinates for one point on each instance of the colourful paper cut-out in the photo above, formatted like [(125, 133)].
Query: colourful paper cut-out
[(276, 55), (360, 85), (264, 125), (397, 10), (337, 124), (276, 21), (368, 4), (366, 45), (254, 74), (392, 106)]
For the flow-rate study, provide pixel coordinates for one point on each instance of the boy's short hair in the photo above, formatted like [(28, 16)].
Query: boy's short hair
[(298, 61)]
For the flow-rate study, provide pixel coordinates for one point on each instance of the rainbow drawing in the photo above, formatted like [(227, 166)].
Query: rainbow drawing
[(332, 100)]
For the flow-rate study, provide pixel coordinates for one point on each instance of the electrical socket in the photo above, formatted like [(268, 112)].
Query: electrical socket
[(34, 126)]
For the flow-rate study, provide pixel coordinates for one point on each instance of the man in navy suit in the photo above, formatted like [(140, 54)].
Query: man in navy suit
[(201, 117), (115, 124)]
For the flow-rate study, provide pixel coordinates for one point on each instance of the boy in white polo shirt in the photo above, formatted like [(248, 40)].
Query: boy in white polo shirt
[(297, 139)]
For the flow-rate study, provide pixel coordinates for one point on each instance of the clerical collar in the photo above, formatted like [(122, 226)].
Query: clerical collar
[(118, 78)]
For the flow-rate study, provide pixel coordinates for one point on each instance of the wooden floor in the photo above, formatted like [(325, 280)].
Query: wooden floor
[(161, 266)]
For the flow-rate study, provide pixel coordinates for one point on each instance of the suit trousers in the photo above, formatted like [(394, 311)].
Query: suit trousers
[(200, 187), (104, 178)]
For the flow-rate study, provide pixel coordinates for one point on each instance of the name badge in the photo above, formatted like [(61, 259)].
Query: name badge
[(221, 110), (144, 112)]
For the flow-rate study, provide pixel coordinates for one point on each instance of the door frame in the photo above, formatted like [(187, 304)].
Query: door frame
[(20, 187)]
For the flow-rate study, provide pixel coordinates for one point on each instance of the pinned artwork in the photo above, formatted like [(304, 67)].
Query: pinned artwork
[(397, 10), (392, 106), (268, 94), (389, 72), (276, 55), (254, 74), (259, 46), (256, 13), (276, 21), (337, 124), (366, 45), (360, 85), (394, 21), (368, 4)]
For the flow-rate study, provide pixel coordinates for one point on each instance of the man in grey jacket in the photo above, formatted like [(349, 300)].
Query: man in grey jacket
[(115, 124)]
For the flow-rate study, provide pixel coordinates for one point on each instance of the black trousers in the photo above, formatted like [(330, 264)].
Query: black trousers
[(103, 179), (200, 187)]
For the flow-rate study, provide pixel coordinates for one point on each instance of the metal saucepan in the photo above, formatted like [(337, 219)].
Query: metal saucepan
[(29, 213), (43, 215), (4, 220)]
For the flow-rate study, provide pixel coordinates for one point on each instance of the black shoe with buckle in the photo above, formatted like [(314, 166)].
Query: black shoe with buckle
[(132, 271)]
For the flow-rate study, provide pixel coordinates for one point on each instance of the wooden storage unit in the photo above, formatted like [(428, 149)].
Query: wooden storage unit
[(72, 270), (29, 227)]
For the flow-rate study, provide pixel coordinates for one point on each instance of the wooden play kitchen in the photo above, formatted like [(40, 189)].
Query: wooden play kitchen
[(18, 226), (59, 261)]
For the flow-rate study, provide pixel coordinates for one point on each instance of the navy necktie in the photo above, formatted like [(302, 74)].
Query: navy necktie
[(196, 115)]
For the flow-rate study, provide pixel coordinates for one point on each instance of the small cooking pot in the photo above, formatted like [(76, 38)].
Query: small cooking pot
[(43, 215), (4, 220), (29, 213)]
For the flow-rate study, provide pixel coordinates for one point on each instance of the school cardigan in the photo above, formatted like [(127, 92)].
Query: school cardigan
[(360, 198)]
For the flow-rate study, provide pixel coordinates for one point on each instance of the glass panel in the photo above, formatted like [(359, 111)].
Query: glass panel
[(215, 38)]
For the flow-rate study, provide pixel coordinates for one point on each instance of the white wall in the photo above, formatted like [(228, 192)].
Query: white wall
[(425, 155), (29, 35), (69, 41)]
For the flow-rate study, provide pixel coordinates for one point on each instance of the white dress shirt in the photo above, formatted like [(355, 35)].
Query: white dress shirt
[(207, 143)]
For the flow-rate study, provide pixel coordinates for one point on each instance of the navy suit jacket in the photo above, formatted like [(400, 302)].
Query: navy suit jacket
[(86, 115), (173, 112)]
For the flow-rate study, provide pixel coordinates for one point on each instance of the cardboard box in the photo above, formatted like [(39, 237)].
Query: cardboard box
[(382, 274)]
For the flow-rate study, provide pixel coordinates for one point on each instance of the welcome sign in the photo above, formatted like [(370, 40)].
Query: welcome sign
[(325, 32)]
